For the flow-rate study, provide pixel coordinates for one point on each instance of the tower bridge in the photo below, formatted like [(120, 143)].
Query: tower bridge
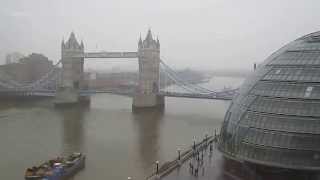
[(72, 88)]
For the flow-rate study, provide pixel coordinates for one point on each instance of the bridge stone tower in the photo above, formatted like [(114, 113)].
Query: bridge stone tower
[(72, 72), (146, 95)]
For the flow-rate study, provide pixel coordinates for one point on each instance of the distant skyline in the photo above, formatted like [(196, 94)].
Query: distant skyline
[(198, 34)]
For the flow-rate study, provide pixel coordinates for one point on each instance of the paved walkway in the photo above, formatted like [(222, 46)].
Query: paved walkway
[(208, 169), (215, 167)]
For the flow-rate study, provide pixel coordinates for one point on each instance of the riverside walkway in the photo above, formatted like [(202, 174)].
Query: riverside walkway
[(202, 161), (192, 169)]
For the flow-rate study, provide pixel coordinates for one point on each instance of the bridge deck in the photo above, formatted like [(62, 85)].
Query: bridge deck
[(198, 96), (51, 93), (108, 55)]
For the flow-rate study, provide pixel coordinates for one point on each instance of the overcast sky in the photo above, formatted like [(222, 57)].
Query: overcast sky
[(206, 34)]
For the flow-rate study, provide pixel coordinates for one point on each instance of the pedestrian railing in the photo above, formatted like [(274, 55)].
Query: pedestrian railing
[(168, 167)]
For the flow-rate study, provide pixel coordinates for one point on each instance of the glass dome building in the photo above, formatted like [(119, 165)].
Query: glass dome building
[(274, 119)]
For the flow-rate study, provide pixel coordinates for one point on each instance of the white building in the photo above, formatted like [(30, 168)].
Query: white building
[(13, 57)]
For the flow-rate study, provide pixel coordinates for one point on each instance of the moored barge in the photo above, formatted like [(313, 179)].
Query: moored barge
[(60, 168)]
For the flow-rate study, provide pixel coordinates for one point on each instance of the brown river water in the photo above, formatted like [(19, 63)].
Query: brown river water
[(117, 142)]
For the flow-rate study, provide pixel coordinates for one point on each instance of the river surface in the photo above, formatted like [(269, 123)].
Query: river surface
[(117, 142)]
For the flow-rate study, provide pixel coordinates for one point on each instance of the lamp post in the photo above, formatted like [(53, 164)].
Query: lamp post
[(194, 143), (179, 154), (157, 167), (206, 139)]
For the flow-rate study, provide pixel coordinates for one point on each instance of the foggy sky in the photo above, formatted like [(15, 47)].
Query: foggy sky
[(202, 34)]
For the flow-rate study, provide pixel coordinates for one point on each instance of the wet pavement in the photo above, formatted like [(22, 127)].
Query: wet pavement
[(208, 167), (213, 166)]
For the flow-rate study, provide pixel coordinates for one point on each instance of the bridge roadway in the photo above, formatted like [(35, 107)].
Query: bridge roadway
[(107, 55), (197, 96), (24, 93), (51, 93)]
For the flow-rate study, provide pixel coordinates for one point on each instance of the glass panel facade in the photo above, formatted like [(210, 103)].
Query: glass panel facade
[(298, 74), (280, 157), (275, 118), (309, 108), (281, 123), (286, 90), (298, 57), (305, 46), (282, 140)]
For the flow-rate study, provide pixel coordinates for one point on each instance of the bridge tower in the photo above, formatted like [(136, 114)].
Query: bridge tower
[(72, 58), (146, 95)]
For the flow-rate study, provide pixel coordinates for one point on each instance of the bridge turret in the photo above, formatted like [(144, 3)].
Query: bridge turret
[(149, 42), (72, 70), (71, 48), (81, 45), (72, 43), (62, 44), (158, 43), (140, 45), (149, 64)]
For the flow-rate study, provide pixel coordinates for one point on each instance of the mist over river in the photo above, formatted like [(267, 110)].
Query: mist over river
[(117, 142)]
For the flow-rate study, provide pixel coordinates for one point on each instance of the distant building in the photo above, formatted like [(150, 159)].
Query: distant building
[(13, 57), (29, 68)]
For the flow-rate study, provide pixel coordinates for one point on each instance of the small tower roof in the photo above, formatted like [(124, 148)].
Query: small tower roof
[(149, 42), (149, 35), (81, 44), (140, 41), (73, 38), (72, 41)]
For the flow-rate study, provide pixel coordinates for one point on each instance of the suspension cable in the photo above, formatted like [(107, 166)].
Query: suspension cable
[(199, 88), (178, 83), (45, 77), (176, 79), (195, 86)]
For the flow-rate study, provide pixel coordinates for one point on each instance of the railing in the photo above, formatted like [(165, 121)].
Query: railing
[(168, 167), (194, 95), (111, 55), (19, 92), (109, 91)]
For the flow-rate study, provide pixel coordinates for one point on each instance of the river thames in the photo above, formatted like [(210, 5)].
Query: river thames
[(117, 142)]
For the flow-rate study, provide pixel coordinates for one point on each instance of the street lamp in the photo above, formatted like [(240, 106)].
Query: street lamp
[(206, 139), (157, 165), (129, 178)]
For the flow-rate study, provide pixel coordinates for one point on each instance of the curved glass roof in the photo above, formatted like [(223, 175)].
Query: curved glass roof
[(275, 117)]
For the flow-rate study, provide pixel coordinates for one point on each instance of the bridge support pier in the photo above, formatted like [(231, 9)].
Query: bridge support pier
[(146, 95), (66, 97), (150, 101), (72, 74)]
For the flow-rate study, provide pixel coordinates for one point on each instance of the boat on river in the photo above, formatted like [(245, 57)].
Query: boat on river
[(60, 168)]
